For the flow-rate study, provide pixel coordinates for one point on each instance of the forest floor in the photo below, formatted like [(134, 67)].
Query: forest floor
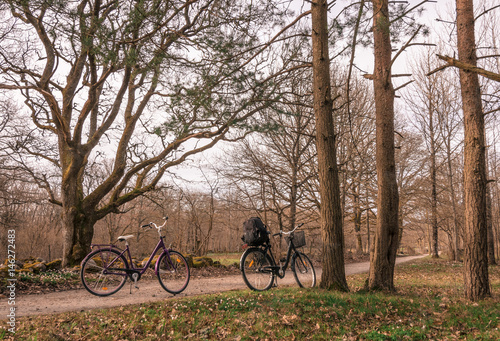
[(202, 282)]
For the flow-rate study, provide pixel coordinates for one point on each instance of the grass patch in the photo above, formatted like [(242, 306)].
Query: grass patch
[(429, 304), (48, 281), (49, 277), (226, 259)]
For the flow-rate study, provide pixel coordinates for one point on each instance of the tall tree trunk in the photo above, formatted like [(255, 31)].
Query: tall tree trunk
[(357, 214), (495, 199), (434, 220), (476, 248), (77, 234), (456, 234), (78, 226), (294, 176), (333, 276), (491, 235), (383, 257), (489, 218), (368, 238)]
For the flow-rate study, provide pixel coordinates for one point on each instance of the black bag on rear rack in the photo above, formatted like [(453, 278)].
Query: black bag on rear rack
[(254, 232)]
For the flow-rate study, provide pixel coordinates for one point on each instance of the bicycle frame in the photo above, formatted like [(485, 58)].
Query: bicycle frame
[(276, 269), (126, 252)]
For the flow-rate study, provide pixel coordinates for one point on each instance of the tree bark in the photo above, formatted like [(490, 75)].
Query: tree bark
[(475, 257), (456, 235), (357, 214), (434, 200), (489, 217), (383, 257), (491, 235), (333, 276)]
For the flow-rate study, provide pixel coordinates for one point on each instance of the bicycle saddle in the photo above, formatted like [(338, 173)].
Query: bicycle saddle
[(124, 238)]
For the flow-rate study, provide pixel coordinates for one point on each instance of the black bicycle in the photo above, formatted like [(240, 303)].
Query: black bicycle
[(259, 268)]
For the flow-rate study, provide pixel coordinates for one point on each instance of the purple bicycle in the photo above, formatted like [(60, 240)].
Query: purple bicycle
[(105, 270)]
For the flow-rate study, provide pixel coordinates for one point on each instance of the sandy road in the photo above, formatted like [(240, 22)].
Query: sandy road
[(149, 291)]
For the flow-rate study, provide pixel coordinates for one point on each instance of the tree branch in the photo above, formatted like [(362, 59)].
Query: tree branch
[(466, 67)]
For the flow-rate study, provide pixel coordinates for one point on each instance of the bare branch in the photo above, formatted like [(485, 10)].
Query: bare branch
[(411, 9), (486, 11), (402, 86), (405, 46), (466, 67)]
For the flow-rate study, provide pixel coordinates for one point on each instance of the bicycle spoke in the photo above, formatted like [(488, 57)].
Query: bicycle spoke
[(303, 271), (256, 270), (95, 277), (173, 272)]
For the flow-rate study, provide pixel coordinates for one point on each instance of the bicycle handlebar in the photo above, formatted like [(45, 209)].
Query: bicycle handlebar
[(289, 232), (151, 225)]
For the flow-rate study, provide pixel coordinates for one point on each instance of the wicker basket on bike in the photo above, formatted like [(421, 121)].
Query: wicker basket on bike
[(298, 237)]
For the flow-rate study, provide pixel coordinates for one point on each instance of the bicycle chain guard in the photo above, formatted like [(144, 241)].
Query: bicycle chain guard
[(134, 275)]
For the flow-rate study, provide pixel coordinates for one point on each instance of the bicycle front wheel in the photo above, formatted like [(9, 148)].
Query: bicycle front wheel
[(103, 272), (303, 270), (256, 269), (173, 272)]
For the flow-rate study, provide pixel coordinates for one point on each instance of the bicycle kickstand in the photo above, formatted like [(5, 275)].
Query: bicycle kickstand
[(134, 277)]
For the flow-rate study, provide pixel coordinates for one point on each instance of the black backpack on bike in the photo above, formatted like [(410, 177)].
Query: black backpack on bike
[(254, 232)]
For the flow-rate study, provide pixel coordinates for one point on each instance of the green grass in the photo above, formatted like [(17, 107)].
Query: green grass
[(429, 304), (49, 277), (226, 259)]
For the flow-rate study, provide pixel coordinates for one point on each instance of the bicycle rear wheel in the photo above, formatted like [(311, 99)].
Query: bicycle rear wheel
[(255, 269), (103, 272), (303, 270), (173, 272)]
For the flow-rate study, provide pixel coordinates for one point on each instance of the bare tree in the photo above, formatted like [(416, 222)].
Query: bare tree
[(410, 160), (426, 101), (450, 125), (141, 79), (355, 132), (274, 169)]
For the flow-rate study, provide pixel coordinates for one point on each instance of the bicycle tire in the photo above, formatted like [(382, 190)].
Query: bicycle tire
[(93, 272), (251, 265), (303, 270), (173, 274)]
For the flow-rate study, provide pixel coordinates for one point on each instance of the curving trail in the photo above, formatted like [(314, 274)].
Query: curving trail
[(149, 291)]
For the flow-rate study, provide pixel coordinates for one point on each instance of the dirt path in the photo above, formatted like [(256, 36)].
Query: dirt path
[(149, 291)]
